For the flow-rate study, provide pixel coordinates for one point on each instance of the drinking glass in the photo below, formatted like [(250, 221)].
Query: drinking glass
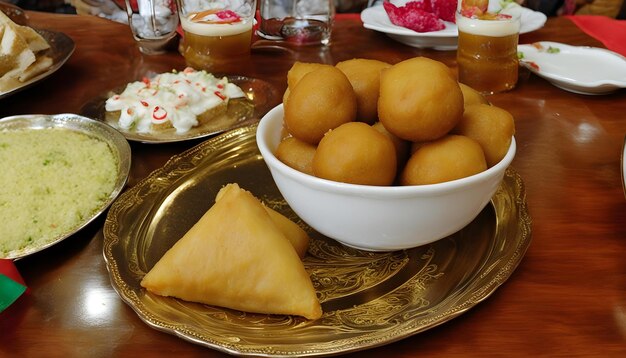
[(153, 24), (487, 52), (215, 32), (302, 22)]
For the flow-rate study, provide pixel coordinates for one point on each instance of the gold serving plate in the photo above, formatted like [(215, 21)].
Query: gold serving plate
[(369, 298)]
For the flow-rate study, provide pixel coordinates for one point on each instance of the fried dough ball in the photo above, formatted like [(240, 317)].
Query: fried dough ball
[(296, 154), (322, 100), (298, 70), (415, 146), (492, 127), (356, 153), (471, 96), (402, 146), (448, 158), (419, 99), (364, 75), (286, 95)]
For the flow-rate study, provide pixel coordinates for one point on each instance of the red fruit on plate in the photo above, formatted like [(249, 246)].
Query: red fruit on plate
[(412, 17)]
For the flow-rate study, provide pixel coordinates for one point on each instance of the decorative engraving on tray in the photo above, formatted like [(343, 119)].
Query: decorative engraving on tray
[(368, 298)]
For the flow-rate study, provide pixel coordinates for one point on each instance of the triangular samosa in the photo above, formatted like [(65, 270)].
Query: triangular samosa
[(295, 234), (236, 257)]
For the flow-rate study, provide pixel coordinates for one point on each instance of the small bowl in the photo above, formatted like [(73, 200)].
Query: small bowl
[(377, 218)]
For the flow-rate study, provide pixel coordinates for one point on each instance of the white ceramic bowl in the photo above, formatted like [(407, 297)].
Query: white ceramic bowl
[(377, 218)]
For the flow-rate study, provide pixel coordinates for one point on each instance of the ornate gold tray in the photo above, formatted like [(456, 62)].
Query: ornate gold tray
[(369, 299)]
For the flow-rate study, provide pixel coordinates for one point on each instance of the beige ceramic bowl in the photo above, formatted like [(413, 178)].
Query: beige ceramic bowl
[(378, 218)]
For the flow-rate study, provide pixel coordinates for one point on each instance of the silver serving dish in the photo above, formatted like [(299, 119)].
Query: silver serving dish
[(72, 122)]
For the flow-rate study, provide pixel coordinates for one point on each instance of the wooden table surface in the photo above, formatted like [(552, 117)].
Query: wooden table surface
[(567, 297)]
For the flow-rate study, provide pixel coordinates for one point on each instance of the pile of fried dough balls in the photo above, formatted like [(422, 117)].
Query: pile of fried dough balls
[(368, 122)]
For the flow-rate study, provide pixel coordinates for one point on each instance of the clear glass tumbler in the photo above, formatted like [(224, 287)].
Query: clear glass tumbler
[(153, 23), (301, 22)]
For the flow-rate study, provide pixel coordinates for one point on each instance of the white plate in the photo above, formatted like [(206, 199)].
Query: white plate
[(375, 18), (578, 69)]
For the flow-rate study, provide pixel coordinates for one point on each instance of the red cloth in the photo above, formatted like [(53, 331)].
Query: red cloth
[(609, 31), (8, 269), (11, 284)]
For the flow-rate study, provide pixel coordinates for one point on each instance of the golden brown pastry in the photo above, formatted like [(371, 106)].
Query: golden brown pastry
[(447, 158), (492, 127), (356, 153), (364, 75), (471, 96), (298, 238), (296, 154), (322, 99), (236, 257), (420, 99)]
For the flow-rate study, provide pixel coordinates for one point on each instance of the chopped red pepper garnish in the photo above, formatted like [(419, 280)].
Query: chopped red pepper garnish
[(220, 86), (144, 103), (534, 65), (221, 96), (129, 111), (159, 113), (146, 81)]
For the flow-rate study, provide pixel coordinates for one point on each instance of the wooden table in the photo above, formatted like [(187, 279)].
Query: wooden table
[(568, 296)]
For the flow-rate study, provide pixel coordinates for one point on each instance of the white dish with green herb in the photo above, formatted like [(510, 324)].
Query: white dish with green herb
[(578, 69)]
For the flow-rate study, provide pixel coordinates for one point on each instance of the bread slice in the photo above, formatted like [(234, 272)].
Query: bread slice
[(236, 257), (15, 51), (21, 53), (35, 41), (42, 64), (161, 126), (212, 113)]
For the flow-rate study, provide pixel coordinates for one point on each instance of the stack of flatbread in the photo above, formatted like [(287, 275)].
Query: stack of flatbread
[(22, 53)]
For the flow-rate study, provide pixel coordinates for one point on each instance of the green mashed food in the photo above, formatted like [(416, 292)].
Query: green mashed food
[(51, 181)]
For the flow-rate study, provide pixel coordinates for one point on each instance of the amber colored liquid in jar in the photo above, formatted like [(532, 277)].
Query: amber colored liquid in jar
[(486, 63), (487, 51), (207, 49)]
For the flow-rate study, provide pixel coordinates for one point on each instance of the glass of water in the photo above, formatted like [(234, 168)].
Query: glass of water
[(153, 23), (301, 22)]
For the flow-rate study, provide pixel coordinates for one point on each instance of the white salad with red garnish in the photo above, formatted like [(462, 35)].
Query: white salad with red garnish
[(172, 99)]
